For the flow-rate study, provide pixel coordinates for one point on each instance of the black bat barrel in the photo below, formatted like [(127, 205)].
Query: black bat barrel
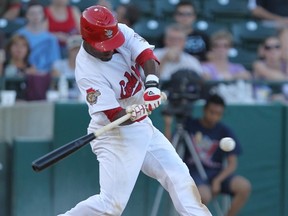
[(61, 152)]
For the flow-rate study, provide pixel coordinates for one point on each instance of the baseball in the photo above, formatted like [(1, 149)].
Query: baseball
[(227, 144)]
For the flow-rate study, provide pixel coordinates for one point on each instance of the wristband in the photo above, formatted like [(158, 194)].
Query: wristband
[(151, 81)]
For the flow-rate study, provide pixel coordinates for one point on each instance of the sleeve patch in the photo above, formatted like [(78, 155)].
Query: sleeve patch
[(92, 96)]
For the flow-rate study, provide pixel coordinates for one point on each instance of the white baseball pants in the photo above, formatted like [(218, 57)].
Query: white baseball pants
[(122, 153)]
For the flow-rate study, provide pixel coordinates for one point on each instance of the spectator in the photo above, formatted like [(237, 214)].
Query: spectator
[(197, 43), (206, 132), (2, 52), (218, 67), (172, 56), (128, 14), (62, 20), (17, 52), (66, 67), (272, 66), (17, 64), (44, 47), (10, 9), (275, 12), (2, 60), (283, 37)]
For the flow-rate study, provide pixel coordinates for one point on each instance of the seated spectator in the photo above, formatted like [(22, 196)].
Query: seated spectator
[(2, 51), (283, 37), (10, 9), (44, 46), (272, 66), (63, 20), (2, 60), (172, 56), (17, 54), (128, 14), (275, 13), (17, 64), (66, 67), (197, 43), (206, 133), (219, 67)]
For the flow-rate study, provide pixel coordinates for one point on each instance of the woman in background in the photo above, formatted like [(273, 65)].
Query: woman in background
[(17, 63), (272, 66), (63, 20), (218, 67)]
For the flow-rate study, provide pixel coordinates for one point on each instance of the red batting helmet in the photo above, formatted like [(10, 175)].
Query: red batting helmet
[(100, 29)]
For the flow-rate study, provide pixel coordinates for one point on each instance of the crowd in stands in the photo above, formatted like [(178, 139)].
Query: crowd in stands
[(194, 37)]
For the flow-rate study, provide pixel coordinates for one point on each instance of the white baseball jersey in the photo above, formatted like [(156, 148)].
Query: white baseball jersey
[(107, 85)]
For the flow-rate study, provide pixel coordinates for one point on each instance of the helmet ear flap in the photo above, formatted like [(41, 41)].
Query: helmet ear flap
[(100, 29)]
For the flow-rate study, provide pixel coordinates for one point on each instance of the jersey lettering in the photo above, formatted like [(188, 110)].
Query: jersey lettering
[(132, 86)]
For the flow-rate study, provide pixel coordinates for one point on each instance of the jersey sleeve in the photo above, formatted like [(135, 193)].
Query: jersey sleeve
[(134, 42), (98, 95)]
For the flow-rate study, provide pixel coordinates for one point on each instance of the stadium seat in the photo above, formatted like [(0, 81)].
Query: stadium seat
[(165, 9), (242, 56), (9, 27), (151, 29), (227, 11), (250, 34), (209, 27), (146, 7)]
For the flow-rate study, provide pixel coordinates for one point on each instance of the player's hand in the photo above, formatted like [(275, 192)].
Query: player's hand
[(152, 94), (152, 98), (138, 112)]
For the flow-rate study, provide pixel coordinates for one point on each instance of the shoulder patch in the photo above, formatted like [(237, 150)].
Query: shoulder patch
[(92, 95)]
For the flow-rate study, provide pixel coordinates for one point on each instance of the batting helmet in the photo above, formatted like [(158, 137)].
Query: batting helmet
[(100, 29)]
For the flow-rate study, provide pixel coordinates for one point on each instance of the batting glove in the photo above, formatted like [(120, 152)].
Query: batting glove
[(138, 112), (152, 94)]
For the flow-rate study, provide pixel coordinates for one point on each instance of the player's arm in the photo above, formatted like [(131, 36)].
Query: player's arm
[(262, 13), (150, 64)]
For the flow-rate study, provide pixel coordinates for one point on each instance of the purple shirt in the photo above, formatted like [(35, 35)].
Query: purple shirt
[(214, 74)]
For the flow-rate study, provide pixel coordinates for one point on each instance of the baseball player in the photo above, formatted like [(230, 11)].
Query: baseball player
[(108, 75)]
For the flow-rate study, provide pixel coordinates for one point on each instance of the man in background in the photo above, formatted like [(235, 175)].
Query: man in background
[(206, 133), (197, 43)]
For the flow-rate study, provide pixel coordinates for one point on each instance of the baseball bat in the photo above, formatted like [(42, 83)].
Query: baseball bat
[(60, 153), (67, 149)]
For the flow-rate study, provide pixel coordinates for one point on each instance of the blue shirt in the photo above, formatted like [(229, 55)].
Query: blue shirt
[(44, 49), (206, 142)]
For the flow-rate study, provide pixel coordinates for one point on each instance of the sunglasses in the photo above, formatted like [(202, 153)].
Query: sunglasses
[(271, 47)]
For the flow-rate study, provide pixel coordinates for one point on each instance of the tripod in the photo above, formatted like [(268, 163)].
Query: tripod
[(182, 137)]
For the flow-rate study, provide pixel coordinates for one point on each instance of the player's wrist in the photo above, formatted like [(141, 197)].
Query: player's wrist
[(151, 81)]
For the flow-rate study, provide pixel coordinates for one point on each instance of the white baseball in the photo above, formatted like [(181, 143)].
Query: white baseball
[(227, 144)]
